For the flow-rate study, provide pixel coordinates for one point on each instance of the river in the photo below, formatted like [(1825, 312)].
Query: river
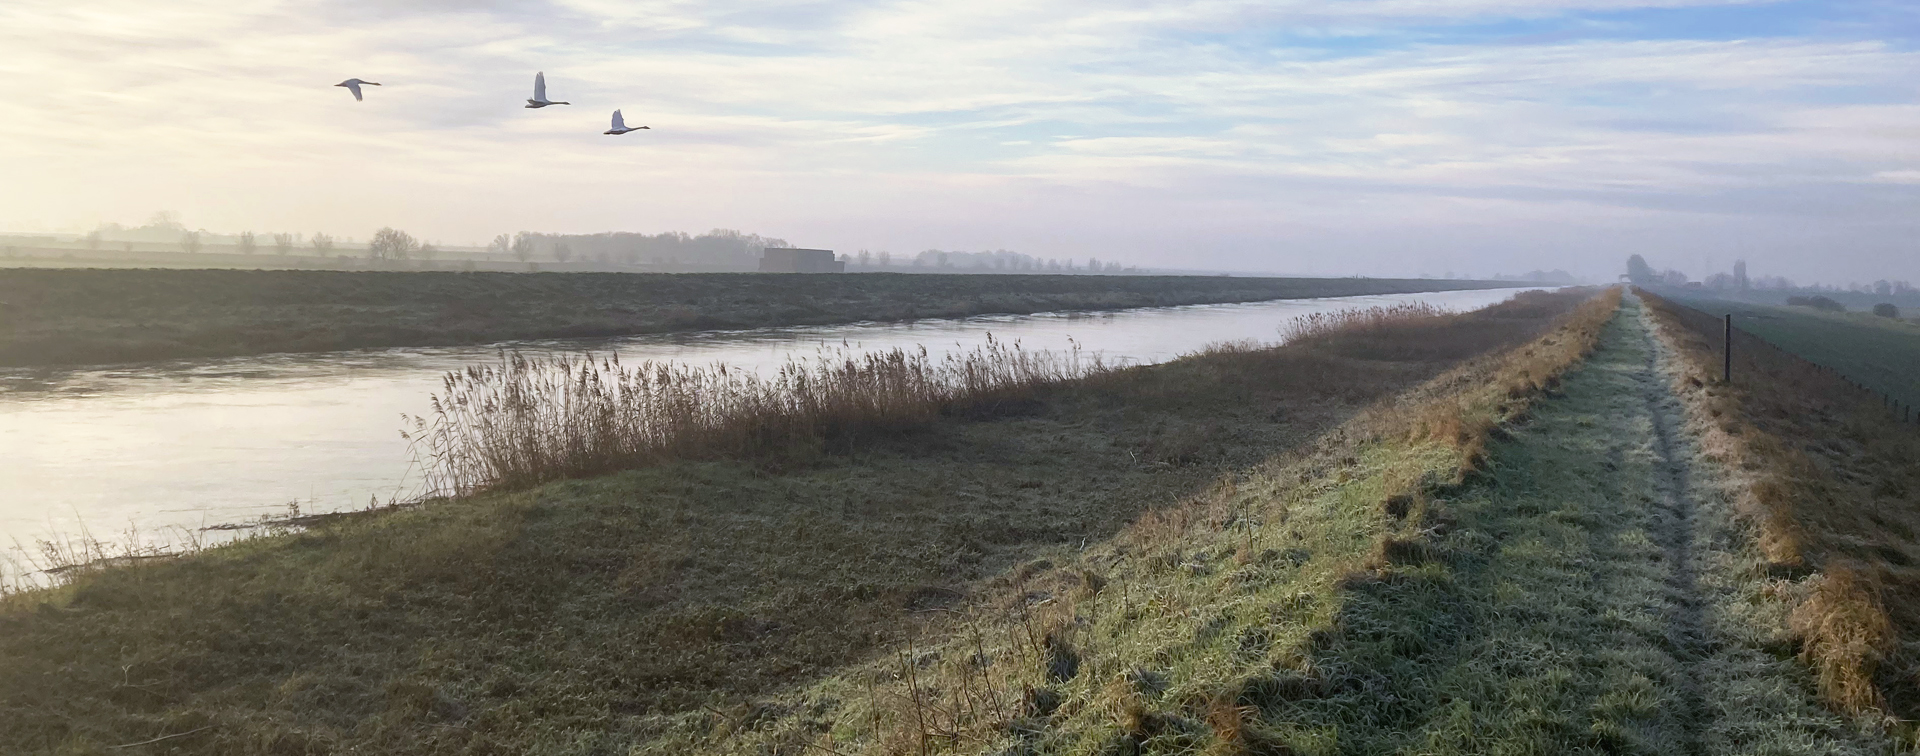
[(156, 452)]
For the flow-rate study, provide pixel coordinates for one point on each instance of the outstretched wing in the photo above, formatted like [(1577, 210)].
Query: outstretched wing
[(619, 124), (353, 85), (540, 86)]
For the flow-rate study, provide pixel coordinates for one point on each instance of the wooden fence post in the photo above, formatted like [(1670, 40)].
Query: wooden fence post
[(1726, 368)]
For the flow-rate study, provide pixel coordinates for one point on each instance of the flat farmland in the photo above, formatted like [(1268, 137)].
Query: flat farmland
[(1882, 354), (73, 317)]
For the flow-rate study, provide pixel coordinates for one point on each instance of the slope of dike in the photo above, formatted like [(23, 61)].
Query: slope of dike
[(1529, 555), (69, 317)]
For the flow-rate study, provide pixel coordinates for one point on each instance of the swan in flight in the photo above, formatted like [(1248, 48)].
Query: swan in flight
[(620, 125), (353, 85), (540, 92)]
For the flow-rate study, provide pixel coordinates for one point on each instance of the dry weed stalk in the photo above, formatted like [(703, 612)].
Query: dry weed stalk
[(528, 420)]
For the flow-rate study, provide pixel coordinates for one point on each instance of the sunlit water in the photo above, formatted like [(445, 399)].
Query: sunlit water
[(162, 450)]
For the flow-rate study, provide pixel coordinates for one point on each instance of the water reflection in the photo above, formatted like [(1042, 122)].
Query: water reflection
[(191, 443)]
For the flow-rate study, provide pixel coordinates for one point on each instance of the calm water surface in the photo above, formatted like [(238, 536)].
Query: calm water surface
[(160, 450)]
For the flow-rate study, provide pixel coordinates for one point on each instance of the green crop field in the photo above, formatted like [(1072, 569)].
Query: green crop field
[(1882, 354)]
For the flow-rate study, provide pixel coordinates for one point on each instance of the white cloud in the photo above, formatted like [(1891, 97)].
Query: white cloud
[(918, 123)]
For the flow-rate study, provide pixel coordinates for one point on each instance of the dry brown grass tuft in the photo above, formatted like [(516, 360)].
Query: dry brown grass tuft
[(1847, 634), (1826, 477)]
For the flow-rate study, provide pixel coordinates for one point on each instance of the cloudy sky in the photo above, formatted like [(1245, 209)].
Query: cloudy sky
[(1337, 137)]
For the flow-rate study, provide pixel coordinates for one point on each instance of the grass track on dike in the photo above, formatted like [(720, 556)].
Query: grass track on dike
[(1596, 594), (1826, 474)]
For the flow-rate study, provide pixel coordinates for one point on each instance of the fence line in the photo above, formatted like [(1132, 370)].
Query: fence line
[(1902, 413)]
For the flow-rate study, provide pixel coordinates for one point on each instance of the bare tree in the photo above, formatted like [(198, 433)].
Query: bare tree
[(562, 252), (501, 245), (390, 243), (282, 244), (427, 251), (246, 243), (190, 242), (866, 258), (322, 243), (523, 247), (93, 239)]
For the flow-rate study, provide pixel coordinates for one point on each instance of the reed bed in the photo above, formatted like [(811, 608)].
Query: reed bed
[(1359, 319), (528, 420)]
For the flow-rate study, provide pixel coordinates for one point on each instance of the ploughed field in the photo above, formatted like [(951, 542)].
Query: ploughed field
[(54, 317)]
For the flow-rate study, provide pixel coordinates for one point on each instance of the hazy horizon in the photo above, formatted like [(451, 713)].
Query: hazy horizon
[(1375, 137)]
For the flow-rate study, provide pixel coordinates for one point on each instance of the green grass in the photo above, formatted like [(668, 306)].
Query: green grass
[(1882, 354), (54, 317)]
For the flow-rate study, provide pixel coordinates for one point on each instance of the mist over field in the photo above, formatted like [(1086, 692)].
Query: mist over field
[(1470, 137)]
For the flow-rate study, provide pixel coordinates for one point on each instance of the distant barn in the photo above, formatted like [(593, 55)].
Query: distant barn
[(786, 260)]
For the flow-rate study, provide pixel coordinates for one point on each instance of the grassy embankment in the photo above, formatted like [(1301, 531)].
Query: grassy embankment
[(644, 607), (54, 317), (1829, 477), (1467, 570), (1233, 623), (1882, 354)]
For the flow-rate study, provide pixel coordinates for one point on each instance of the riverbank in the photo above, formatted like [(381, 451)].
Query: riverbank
[(75, 317), (600, 614)]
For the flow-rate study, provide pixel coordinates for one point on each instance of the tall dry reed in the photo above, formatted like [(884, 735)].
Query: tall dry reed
[(1368, 318), (528, 420)]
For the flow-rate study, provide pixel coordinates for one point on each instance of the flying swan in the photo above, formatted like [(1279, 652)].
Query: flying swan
[(540, 92), (353, 85), (620, 125)]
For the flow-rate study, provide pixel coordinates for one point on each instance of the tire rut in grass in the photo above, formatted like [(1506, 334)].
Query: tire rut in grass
[(1675, 511)]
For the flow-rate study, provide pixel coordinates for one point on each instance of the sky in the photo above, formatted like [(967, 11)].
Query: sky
[(1349, 137)]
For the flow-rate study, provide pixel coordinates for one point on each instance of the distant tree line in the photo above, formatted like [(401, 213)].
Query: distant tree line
[(721, 248), (1737, 281), (998, 260)]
